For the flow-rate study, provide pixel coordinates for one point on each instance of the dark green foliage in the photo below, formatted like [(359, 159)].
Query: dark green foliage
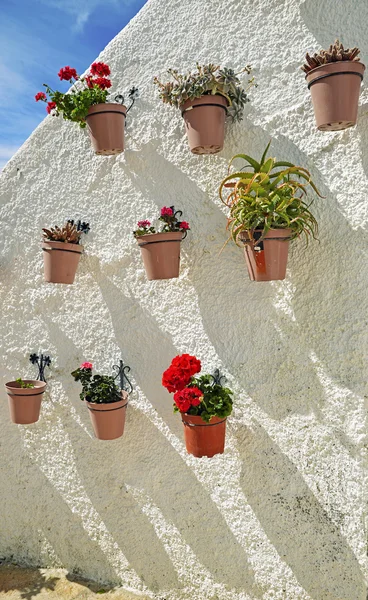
[(100, 389), (74, 105), (217, 401)]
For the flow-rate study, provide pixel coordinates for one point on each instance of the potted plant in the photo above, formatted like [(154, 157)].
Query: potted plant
[(205, 96), (204, 405), (334, 77), (24, 397), (267, 210), (161, 250), (86, 103), (62, 251), (105, 401)]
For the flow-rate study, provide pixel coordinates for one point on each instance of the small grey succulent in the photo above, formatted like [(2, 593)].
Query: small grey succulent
[(207, 79)]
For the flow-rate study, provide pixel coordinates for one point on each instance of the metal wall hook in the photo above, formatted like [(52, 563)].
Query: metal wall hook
[(178, 212), (133, 95), (218, 379), (81, 225), (122, 371), (41, 361)]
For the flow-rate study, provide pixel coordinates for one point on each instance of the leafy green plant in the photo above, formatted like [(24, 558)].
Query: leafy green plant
[(268, 195), (99, 389), (206, 79), (216, 400), (169, 218), (22, 384), (335, 53)]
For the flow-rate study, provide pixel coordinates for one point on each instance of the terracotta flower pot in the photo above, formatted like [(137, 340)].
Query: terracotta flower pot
[(335, 89), (106, 124), (161, 254), (267, 261), (204, 119), (25, 403), (60, 261), (108, 420), (204, 439)]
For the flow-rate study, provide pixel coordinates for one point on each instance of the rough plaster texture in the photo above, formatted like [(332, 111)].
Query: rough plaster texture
[(281, 514)]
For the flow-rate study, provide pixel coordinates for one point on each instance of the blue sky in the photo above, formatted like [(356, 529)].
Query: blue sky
[(37, 38)]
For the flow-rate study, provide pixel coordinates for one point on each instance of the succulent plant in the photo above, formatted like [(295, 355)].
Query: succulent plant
[(68, 233), (335, 53), (268, 195), (207, 79)]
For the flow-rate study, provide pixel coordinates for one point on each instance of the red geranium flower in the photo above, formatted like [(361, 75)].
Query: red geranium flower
[(188, 363), (89, 81), (41, 96), (100, 69), (175, 379), (102, 82), (183, 225), (166, 211), (50, 106), (188, 397), (67, 73)]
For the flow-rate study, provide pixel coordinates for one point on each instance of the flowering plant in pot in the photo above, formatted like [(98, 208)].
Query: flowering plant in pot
[(24, 398), (267, 210), (217, 92), (62, 251), (334, 77), (204, 405), (86, 103), (161, 249), (106, 402)]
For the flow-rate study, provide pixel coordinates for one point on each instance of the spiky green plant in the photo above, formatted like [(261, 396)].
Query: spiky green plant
[(268, 196), (335, 53), (207, 79)]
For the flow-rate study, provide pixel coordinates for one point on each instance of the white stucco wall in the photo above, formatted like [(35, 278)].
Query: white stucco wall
[(281, 514)]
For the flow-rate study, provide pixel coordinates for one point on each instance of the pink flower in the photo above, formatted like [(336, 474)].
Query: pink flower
[(86, 365), (67, 74), (40, 96), (166, 211), (143, 224), (50, 106), (184, 225)]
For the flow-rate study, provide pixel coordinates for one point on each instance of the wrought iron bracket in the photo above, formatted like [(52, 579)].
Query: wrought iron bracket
[(81, 225), (218, 379), (122, 370), (133, 94), (42, 361)]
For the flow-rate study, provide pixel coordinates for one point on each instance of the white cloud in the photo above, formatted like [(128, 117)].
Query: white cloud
[(81, 10)]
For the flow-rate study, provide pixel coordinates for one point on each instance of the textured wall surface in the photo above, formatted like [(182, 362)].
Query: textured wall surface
[(281, 514)]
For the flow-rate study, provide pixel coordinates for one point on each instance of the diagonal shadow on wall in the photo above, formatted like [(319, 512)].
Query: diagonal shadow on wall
[(295, 522)]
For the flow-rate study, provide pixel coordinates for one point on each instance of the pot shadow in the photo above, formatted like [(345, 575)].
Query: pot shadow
[(28, 582), (143, 469), (295, 522)]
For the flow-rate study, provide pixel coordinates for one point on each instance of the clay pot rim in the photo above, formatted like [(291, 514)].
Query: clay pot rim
[(341, 65), (106, 406), (107, 107), (204, 99), (197, 419), (68, 247), (39, 386), (177, 236), (271, 233)]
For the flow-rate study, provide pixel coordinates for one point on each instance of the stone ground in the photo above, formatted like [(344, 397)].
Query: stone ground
[(17, 583)]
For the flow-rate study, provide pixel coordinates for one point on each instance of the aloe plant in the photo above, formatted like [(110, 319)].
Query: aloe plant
[(268, 195)]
